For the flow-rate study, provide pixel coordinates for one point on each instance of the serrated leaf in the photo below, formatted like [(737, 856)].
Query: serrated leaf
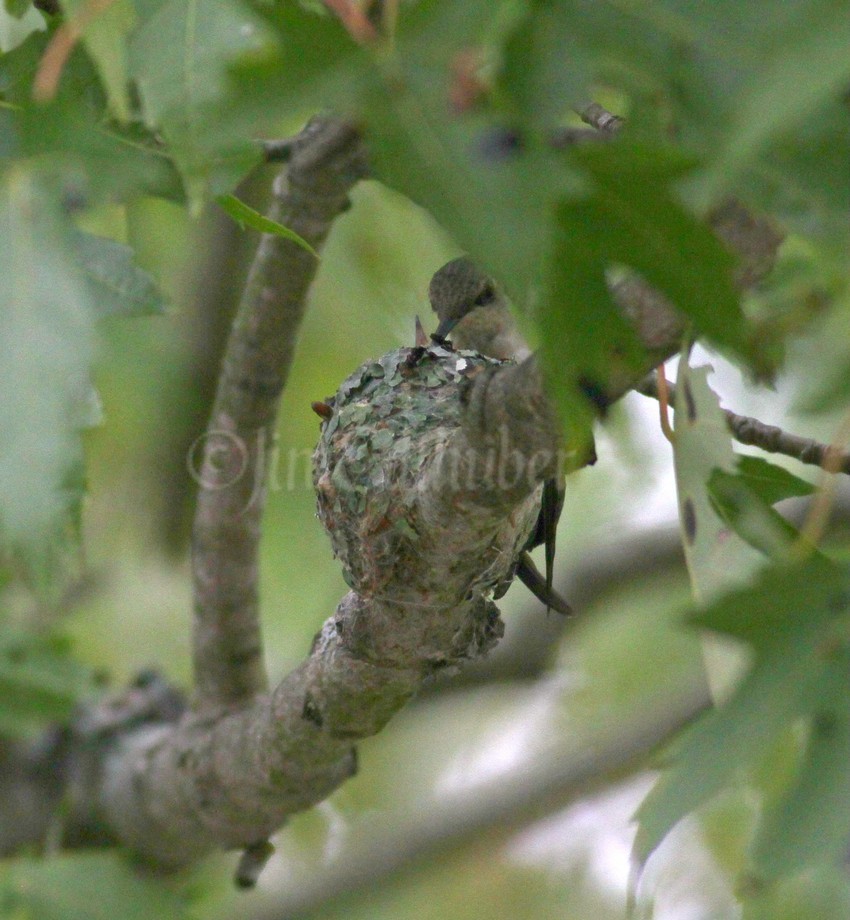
[(117, 286), (630, 217), (811, 823), (46, 346), (39, 681), (97, 159), (105, 37), (179, 57), (87, 886), (770, 482), (742, 500), (808, 65), (731, 79), (247, 217), (17, 8), (750, 517), (796, 619)]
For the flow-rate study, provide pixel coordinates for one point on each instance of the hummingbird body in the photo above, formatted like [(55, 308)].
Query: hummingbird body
[(471, 308)]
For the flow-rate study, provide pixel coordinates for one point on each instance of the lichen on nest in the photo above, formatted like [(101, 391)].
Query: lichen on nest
[(389, 419)]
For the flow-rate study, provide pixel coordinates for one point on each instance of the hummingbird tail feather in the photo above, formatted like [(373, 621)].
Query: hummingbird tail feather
[(531, 577)]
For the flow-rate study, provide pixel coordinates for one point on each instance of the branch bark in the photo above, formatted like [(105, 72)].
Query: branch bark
[(499, 809), (326, 160), (748, 430)]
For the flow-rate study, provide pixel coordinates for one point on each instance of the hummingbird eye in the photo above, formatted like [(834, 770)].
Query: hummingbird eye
[(487, 296)]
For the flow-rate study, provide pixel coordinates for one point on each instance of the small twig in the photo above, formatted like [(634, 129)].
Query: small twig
[(601, 119), (769, 438)]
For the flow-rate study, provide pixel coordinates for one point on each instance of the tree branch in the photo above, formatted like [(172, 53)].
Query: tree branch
[(501, 807), (769, 438), (326, 161)]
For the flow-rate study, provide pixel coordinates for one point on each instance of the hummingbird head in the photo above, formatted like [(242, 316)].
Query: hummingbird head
[(474, 311), (457, 289)]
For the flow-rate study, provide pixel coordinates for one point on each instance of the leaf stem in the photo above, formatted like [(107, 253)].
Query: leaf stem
[(664, 404)]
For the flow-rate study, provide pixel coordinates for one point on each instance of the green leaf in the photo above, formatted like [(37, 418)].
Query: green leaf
[(631, 217), (97, 160), (105, 37), (314, 66), (117, 287), (46, 347), (558, 48), (17, 8), (494, 197), (809, 64), (743, 501), (770, 482), (801, 176), (749, 516), (179, 58), (87, 886), (39, 681), (248, 217), (581, 331), (545, 64), (758, 98), (795, 617), (822, 893), (497, 211), (811, 824)]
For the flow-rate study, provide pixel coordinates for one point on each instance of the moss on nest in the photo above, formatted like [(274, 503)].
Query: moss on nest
[(389, 418)]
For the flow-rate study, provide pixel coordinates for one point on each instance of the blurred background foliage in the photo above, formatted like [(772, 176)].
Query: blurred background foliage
[(747, 99)]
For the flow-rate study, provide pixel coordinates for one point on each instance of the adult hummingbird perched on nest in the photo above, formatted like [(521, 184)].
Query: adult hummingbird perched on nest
[(472, 309)]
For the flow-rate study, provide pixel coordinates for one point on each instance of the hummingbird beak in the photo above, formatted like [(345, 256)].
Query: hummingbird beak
[(444, 329)]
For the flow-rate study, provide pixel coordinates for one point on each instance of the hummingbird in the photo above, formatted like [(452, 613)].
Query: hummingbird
[(473, 310)]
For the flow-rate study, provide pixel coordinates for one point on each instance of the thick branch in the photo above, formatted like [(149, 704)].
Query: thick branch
[(499, 809), (326, 161)]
